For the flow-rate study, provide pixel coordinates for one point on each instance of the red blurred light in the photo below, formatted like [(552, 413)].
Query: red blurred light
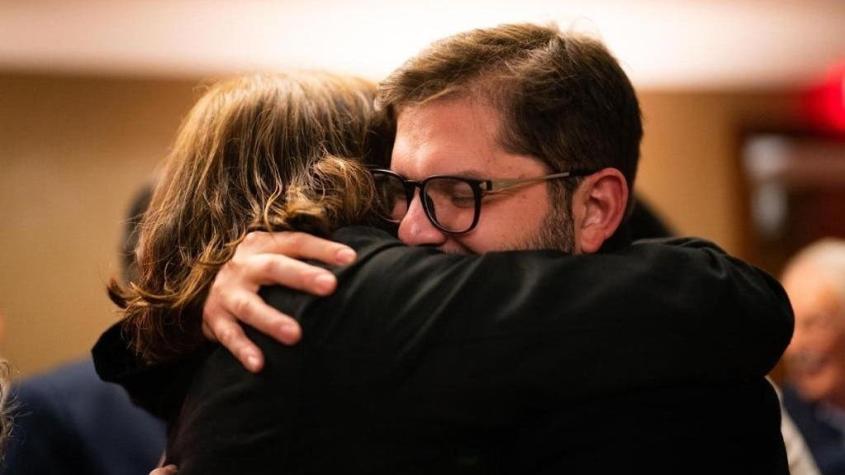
[(825, 101)]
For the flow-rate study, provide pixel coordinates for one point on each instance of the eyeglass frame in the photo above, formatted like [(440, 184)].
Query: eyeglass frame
[(492, 187)]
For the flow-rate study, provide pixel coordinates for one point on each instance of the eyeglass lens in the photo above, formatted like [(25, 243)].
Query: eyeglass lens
[(449, 202)]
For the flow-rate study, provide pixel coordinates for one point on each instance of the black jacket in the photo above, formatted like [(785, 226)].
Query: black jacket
[(650, 358)]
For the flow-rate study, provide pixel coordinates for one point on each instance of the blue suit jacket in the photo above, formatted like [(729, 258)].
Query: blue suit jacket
[(826, 441), (69, 422)]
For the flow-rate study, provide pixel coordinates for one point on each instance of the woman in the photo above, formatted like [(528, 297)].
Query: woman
[(259, 152), (421, 361)]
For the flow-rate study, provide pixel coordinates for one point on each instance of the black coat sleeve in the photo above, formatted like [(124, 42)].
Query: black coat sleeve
[(465, 347)]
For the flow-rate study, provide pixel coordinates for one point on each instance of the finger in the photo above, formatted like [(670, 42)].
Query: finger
[(232, 337), (252, 310), (168, 470), (299, 245), (266, 269)]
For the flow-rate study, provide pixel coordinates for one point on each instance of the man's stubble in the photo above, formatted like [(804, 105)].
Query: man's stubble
[(558, 229)]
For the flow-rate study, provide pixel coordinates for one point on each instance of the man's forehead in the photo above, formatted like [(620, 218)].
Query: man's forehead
[(449, 136)]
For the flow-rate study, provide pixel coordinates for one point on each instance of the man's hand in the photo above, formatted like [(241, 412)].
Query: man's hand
[(168, 470), (266, 259)]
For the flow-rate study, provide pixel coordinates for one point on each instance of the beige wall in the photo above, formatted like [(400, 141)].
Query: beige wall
[(74, 149), (690, 167)]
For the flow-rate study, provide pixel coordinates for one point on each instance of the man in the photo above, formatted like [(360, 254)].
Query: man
[(535, 136), (815, 396), (518, 101)]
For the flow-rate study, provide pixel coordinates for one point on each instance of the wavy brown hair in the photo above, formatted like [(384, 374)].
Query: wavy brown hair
[(259, 152)]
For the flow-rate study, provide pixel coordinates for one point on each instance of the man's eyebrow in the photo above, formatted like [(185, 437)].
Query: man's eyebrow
[(465, 173), (471, 173)]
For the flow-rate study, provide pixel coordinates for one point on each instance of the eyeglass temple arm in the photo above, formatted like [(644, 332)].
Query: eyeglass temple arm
[(496, 186)]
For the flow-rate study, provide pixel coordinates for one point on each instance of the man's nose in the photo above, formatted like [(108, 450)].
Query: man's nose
[(416, 229)]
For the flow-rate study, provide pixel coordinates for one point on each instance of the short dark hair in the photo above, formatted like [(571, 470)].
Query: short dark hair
[(563, 97)]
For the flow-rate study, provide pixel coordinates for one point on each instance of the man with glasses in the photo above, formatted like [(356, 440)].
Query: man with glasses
[(519, 138)]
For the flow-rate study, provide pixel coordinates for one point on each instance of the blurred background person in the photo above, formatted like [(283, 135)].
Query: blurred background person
[(815, 392), (67, 421)]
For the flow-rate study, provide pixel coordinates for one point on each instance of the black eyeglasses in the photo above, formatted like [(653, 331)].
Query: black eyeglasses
[(451, 203)]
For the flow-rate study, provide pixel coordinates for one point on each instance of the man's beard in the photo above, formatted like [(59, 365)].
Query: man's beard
[(557, 232)]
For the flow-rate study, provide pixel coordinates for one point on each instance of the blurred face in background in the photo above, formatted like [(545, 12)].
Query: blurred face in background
[(816, 356)]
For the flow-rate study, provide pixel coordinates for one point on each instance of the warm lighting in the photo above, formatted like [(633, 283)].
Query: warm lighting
[(660, 43)]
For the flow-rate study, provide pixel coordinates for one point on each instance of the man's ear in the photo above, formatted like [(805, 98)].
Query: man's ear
[(599, 206)]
